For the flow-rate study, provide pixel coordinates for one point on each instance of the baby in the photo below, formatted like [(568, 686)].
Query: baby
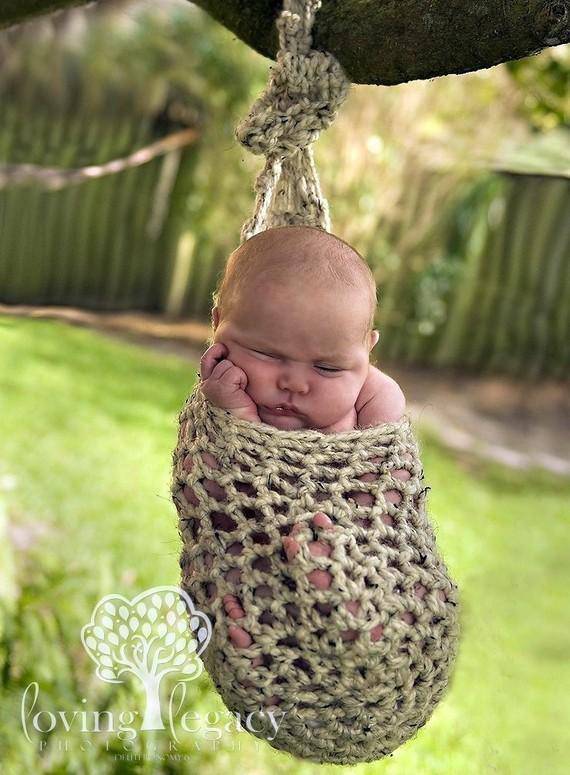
[(293, 329)]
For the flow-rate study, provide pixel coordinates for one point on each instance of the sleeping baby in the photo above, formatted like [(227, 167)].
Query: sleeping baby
[(293, 327)]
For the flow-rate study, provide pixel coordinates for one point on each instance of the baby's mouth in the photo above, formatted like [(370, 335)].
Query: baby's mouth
[(282, 410)]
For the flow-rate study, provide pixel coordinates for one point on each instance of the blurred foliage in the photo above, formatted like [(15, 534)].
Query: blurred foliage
[(171, 62), (545, 82), (463, 235), (145, 58), (140, 51)]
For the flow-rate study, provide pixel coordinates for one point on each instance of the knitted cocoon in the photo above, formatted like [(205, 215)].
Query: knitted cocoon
[(341, 700)]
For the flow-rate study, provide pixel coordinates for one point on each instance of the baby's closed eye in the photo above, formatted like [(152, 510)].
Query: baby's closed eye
[(326, 369)]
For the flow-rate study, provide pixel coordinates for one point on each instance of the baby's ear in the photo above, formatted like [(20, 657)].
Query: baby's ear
[(215, 317), (374, 337)]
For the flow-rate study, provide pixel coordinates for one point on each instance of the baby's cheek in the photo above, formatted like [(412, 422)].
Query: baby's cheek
[(259, 379)]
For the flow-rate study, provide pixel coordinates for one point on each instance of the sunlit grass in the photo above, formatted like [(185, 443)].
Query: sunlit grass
[(87, 428)]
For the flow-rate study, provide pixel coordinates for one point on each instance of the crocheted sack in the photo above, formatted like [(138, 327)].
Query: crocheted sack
[(343, 700)]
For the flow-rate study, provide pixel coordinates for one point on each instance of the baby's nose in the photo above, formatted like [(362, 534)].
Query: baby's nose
[(292, 381)]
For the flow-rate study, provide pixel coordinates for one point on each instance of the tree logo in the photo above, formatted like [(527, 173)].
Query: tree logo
[(148, 636)]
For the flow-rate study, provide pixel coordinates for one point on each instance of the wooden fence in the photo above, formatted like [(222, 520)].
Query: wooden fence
[(100, 241), (499, 301), (489, 292)]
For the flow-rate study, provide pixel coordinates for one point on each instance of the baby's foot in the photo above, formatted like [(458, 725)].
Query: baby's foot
[(319, 578)]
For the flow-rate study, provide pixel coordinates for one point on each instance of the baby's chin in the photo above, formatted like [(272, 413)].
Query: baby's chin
[(283, 422)]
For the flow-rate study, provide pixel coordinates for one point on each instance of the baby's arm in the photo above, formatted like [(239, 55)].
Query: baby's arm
[(380, 400), (223, 384)]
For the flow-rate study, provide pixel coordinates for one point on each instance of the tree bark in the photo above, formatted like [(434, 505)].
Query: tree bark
[(387, 41)]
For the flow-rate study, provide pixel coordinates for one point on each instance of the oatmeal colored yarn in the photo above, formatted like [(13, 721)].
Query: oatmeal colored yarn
[(344, 701), (305, 90)]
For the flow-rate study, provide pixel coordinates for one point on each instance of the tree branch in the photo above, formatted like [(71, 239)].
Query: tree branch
[(16, 11), (388, 41), (56, 178)]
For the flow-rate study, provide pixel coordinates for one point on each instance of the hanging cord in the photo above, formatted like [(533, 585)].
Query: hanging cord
[(305, 90)]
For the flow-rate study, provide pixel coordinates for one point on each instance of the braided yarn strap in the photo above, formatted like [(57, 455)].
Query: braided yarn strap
[(305, 90), (342, 701)]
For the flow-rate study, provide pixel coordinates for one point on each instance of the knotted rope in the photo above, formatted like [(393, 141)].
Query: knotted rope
[(305, 91)]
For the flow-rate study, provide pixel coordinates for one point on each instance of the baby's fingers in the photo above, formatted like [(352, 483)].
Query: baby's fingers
[(213, 355), (230, 375)]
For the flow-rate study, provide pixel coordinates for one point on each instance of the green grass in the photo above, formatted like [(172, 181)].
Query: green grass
[(87, 427)]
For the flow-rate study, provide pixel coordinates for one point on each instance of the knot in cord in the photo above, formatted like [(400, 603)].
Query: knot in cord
[(305, 90)]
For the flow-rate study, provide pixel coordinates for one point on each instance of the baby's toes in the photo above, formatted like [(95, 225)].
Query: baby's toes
[(214, 489), (361, 498), (393, 496), (322, 520), (402, 474), (353, 606), (209, 459), (376, 632), (291, 547), (239, 637), (322, 579), (189, 495), (419, 590), (233, 607), (320, 549), (233, 575)]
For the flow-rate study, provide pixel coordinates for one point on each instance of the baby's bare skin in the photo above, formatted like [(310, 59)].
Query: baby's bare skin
[(224, 384)]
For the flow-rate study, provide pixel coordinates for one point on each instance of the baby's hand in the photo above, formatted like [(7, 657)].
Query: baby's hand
[(223, 383)]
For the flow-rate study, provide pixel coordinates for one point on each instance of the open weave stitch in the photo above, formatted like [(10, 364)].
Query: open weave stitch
[(344, 701)]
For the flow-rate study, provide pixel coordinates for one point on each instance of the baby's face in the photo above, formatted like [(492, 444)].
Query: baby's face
[(299, 346)]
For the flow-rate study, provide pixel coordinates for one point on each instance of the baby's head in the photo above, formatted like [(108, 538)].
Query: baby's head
[(295, 308)]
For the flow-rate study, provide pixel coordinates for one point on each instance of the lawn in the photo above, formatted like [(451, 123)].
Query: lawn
[(87, 428)]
